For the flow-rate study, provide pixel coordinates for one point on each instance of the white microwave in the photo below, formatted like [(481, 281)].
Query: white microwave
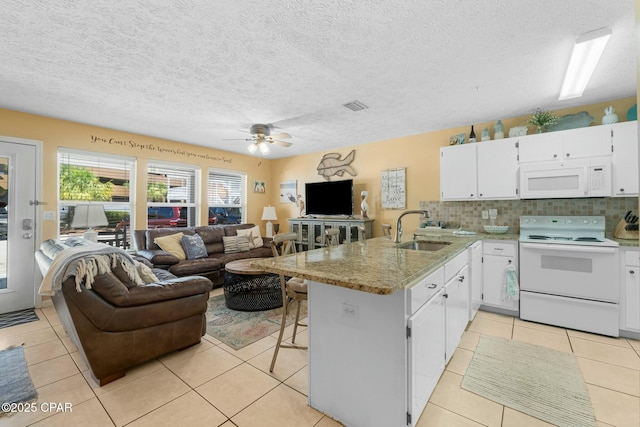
[(566, 179)]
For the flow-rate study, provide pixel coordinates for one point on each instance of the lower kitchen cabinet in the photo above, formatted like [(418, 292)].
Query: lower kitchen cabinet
[(497, 255), (351, 372), (426, 351), (630, 291), (475, 276), (456, 309)]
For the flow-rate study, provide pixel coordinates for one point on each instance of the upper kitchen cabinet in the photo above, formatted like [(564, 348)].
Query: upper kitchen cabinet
[(482, 171), (458, 172), (578, 143), (498, 169), (624, 158)]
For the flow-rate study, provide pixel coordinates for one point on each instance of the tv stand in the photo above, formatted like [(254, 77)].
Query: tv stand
[(311, 230)]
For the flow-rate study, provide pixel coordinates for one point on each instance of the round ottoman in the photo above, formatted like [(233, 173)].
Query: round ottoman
[(250, 289)]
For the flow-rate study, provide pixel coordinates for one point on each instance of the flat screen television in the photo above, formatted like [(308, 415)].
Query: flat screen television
[(329, 197)]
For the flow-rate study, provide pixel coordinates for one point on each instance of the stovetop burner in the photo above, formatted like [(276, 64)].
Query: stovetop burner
[(564, 230)]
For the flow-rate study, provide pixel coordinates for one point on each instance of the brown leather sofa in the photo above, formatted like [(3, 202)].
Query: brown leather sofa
[(211, 267), (117, 325)]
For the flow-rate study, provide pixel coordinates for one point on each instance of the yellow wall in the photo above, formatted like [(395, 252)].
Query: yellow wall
[(56, 133), (419, 154)]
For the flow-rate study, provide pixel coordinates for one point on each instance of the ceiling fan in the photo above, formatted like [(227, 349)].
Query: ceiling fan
[(261, 138)]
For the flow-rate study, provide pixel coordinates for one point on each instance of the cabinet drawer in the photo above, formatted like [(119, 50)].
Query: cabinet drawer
[(496, 248), (422, 291), (632, 258), (452, 267)]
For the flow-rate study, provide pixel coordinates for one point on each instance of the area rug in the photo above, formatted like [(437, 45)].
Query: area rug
[(15, 382), (238, 329), (18, 318), (544, 383)]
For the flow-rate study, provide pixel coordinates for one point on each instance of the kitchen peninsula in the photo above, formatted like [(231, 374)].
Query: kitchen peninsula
[(363, 366)]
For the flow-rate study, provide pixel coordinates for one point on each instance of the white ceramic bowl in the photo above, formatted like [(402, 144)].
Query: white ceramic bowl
[(496, 229)]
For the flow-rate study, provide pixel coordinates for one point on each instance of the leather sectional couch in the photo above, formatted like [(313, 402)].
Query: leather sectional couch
[(117, 324), (211, 267)]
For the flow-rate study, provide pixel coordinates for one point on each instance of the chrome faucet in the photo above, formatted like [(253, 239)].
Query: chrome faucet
[(425, 213)]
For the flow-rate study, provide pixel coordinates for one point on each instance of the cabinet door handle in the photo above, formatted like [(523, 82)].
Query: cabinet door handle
[(471, 195), (555, 156), (445, 295), (461, 279), (568, 154), (622, 190), (632, 272), (480, 194), (432, 286)]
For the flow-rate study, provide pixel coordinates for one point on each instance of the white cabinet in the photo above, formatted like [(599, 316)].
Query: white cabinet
[(458, 172), (475, 275), (630, 291), (426, 350), (497, 256), (498, 169), (456, 309), (624, 158), (487, 170), (578, 143)]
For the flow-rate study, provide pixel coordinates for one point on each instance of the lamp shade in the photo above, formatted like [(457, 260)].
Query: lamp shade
[(269, 213), (87, 216)]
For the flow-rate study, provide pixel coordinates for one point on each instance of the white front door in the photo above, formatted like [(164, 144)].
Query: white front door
[(17, 225)]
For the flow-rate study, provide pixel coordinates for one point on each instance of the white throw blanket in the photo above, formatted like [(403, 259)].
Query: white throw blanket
[(85, 262)]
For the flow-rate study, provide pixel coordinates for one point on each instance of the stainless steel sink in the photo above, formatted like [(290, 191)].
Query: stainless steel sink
[(424, 245)]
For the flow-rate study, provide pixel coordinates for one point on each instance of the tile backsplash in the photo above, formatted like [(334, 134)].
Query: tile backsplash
[(468, 215)]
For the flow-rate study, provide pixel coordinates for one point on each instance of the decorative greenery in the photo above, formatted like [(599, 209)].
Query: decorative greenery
[(542, 119), (79, 183)]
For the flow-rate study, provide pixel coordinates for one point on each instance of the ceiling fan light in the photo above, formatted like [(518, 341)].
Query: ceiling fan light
[(252, 148), (264, 148)]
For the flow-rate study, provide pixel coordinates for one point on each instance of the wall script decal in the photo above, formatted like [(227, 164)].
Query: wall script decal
[(158, 148)]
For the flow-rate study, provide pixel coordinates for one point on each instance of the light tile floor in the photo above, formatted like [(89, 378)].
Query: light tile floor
[(210, 384)]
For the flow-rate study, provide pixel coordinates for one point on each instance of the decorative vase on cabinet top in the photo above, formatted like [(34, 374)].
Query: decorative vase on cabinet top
[(498, 130), (610, 117)]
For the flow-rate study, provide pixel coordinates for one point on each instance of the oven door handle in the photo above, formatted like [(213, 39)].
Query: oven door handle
[(569, 248)]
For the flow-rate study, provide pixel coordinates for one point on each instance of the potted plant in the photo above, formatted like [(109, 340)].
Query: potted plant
[(541, 119)]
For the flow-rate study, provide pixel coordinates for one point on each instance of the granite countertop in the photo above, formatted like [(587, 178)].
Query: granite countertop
[(376, 265)]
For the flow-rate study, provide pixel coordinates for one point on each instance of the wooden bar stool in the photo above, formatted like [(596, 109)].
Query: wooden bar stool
[(293, 289), (386, 229), (332, 237)]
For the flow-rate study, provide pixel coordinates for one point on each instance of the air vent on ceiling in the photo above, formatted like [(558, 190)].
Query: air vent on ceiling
[(355, 106)]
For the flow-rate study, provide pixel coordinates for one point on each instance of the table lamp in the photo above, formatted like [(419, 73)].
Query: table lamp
[(269, 214), (89, 216)]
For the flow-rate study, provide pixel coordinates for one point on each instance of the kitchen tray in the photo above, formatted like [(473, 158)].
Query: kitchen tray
[(496, 229)]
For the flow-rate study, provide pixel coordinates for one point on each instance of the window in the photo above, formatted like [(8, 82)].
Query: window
[(86, 178), (227, 197), (171, 195)]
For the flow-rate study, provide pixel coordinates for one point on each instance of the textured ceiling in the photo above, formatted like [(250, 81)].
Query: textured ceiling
[(198, 71)]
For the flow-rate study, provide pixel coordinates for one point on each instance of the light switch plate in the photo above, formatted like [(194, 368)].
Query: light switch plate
[(485, 214)]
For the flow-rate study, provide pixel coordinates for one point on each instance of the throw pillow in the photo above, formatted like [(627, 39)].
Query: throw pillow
[(194, 247), (145, 273), (235, 244), (255, 239), (172, 244)]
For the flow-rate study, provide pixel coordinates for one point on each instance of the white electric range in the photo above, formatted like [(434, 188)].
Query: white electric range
[(569, 273)]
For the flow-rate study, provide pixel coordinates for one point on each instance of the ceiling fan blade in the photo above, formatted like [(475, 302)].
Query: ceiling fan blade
[(237, 139), (280, 135), (282, 143)]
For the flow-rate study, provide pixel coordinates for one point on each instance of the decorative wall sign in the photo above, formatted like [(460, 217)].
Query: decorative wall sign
[(259, 187), (393, 183), (288, 190), (130, 144), (331, 165)]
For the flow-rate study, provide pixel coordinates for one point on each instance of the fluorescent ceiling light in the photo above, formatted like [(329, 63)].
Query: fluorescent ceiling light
[(584, 58)]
